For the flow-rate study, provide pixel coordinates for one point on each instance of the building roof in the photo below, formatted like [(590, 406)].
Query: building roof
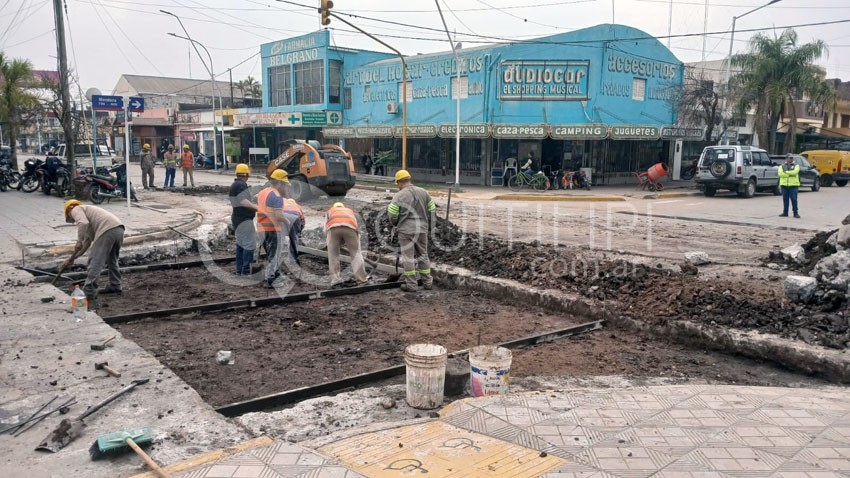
[(141, 84)]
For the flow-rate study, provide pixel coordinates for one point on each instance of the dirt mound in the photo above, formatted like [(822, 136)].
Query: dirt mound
[(816, 249), (645, 293)]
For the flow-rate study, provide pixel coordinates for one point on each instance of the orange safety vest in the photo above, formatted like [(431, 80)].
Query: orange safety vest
[(187, 160), (341, 217), (292, 207), (265, 215)]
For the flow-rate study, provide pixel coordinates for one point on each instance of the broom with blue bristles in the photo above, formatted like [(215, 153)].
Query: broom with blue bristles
[(117, 443)]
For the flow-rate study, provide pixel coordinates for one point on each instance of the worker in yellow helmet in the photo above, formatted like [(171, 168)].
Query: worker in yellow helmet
[(413, 214), (341, 228), (242, 220), (147, 163), (104, 233), (273, 225), (169, 160)]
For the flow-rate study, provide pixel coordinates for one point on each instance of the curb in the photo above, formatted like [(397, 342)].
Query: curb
[(532, 197), (139, 238), (671, 195)]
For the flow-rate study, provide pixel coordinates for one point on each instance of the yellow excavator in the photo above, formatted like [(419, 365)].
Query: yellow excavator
[(313, 167)]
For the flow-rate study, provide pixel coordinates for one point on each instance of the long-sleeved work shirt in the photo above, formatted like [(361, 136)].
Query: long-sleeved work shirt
[(92, 222), (412, 210)]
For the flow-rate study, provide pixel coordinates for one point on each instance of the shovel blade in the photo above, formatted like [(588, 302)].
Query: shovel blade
[(65, 433)]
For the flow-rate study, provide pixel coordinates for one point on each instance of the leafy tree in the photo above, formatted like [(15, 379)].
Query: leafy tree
[(16, 77), (774, 73), (698, 102)]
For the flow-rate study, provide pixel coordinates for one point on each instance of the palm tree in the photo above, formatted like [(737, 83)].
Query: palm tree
[(775, 72), (252, 87), (15, 77)]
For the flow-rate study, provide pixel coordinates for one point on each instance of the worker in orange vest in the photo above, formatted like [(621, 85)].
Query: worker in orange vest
[(271, 224), (295, 215), (187, 162), (341, 228)]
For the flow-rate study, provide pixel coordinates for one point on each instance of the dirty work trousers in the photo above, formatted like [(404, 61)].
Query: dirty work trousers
[(104, 253), (246, 242), (294, 234), (147, 178), (414, 257), (169, 177), (337, 236), (789, 193), (273, 245), (191, 177)]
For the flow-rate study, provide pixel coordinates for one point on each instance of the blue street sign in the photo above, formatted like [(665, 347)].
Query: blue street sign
[(107, 103), (137, 104)]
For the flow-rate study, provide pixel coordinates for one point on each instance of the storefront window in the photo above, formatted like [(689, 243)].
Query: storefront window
[(309, 83), (280, 89), (334, 82)]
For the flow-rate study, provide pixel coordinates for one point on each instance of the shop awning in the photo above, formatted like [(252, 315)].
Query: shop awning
[(205, 129)]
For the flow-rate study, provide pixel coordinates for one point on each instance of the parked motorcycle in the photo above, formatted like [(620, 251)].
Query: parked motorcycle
[(9, 178), (29, 180), (688, 172), (575, 180), (101, 187), (54, 177)]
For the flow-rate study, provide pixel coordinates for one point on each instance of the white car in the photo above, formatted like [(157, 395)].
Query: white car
[(742, 169), (83, 158)]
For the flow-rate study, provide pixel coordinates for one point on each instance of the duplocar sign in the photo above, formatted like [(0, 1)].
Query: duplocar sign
[(549, 80)]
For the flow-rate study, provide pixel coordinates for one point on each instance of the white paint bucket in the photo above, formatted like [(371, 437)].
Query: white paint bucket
[(426, 374), (490, 370)]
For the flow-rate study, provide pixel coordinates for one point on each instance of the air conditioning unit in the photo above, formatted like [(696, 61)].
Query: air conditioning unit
[(392, 107)]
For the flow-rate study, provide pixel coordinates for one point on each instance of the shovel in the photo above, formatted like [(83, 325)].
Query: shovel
[(391, 277), (68, 430)]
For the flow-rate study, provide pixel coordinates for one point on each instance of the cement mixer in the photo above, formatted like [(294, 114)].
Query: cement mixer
[(651, 179)]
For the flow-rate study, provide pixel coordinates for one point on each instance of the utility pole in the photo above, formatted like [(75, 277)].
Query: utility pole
[(65, 93), (232, 104)]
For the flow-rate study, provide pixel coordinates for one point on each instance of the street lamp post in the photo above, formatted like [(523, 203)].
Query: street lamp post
[(725, 139), (457, 119), (213, 89)]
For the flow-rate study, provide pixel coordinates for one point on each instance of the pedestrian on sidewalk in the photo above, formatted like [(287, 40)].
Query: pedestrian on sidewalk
[(187, 162), (341, 228), (412, 212), (271, 222), (242, 220), (789, 182), (147, 163), (169, 160), (103, 232), (366, 160), (295, 218)]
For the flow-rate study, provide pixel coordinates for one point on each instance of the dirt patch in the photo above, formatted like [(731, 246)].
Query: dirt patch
[(284, 347)]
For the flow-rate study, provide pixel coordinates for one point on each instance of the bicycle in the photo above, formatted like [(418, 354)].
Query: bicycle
[(537, 181)]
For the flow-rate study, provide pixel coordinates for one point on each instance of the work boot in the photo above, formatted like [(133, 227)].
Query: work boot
[(796, 216), (408, 288), (783, 215)]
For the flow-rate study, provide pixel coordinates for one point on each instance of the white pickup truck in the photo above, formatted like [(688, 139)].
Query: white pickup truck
[(83, 157)]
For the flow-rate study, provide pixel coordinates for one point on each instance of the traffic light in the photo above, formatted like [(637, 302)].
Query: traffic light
[(326, 11)]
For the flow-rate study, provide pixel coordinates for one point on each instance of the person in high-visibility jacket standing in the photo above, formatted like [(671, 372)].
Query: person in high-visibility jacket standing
[(187, 162), (341, 228), (412, 212), (789, 181), (271, 224)]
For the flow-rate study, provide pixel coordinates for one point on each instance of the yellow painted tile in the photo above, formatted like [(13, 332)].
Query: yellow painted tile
[(439, 450)]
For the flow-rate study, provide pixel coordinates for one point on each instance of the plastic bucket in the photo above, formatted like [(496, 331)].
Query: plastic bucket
[(657, 171), (426, 375), (490, 370)]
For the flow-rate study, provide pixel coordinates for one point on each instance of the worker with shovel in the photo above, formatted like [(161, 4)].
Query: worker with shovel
[(341, 228), (412, 212), (103, 232), (273, 225)]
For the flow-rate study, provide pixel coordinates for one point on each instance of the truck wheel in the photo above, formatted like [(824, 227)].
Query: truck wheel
[(826, 180), (749, 190), (299, 188), (709, 192), (816, 185), (720, 168), (841, 183)]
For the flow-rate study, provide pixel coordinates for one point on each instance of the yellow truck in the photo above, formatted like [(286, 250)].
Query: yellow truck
[(833, 165)]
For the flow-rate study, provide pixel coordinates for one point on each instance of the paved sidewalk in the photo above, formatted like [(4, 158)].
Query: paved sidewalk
[(684, 431)]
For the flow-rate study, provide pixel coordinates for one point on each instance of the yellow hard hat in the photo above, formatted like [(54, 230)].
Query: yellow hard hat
[(339, 204), (185, 146), (243, 169), (147, 147), (170, 146), (401, 175), (279, 175), (71, 204)]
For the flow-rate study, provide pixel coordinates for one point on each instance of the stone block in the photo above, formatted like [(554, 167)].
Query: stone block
[(697, 258), (794, 253), (800, 288)]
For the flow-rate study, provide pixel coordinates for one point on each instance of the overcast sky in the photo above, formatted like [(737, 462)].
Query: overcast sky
[(112, 37)]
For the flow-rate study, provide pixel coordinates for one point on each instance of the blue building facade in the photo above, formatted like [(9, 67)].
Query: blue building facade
[(598, 98)]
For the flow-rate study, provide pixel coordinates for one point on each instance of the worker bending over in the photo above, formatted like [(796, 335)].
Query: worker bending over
[(412, 212), (341, 228), (272, 223), (103, 232)]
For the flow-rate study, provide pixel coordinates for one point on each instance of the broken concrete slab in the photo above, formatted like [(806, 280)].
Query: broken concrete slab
[(800, 289), (794, 253), (697, 258), (830, 267), (842, 237), (846, 220)]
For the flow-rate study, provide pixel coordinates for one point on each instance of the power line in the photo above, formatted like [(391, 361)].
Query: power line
[(12, 23), (132, 43), (31, 39), (117, 45), (666, 2), (516, 16)]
